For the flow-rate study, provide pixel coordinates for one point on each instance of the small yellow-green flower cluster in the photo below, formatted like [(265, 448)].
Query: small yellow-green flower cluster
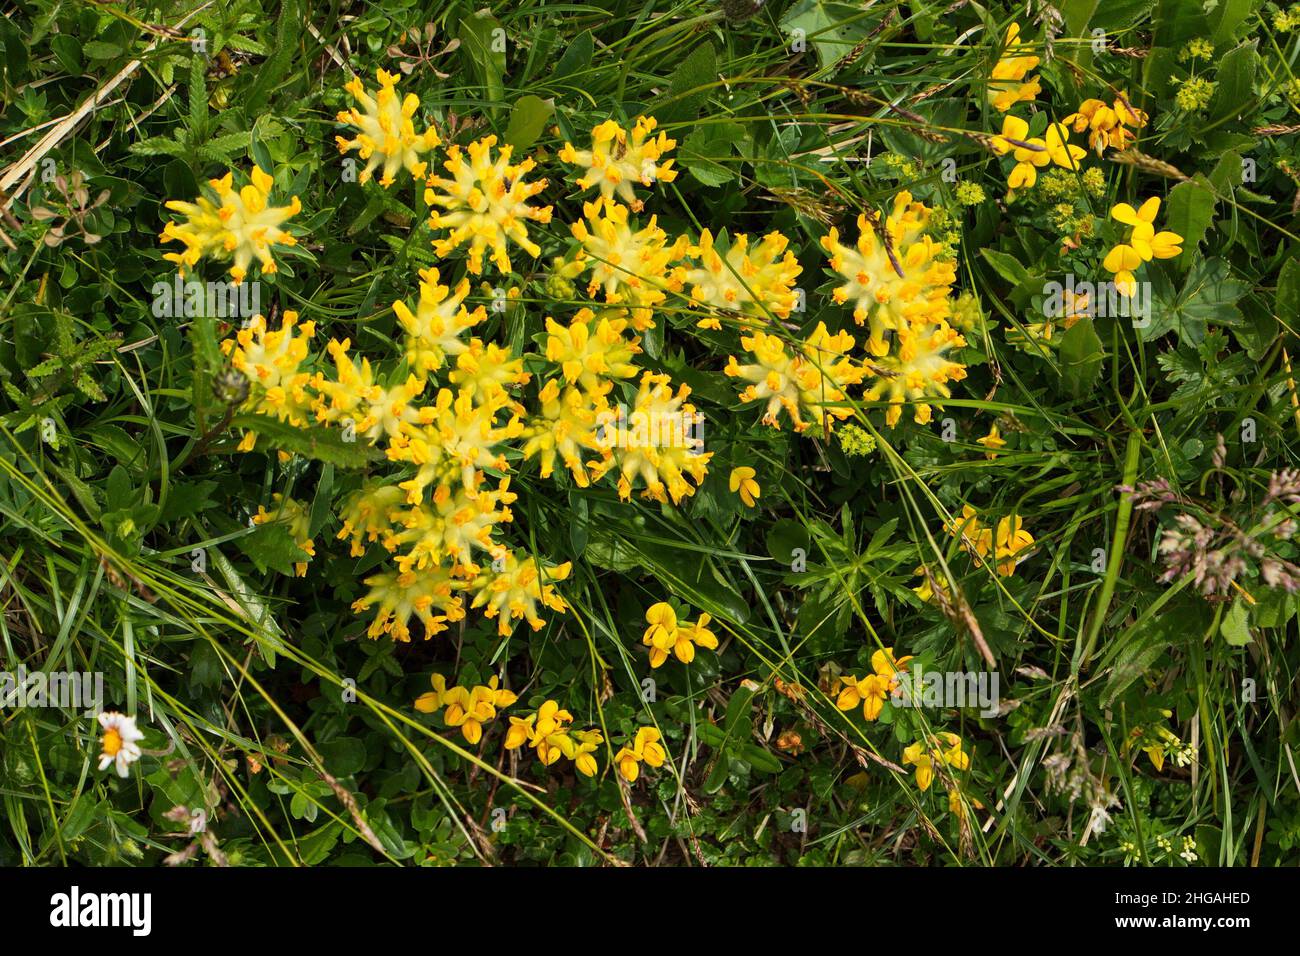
[(856, 442), (1284, 21), (239, 227), (1194, 94)]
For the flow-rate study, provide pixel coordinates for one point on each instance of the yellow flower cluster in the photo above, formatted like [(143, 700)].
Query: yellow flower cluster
[(465, 707), (1143, 245), (617, 159), (655, 443), (1010, 83), (810, 382), (666, 634), (1006, 546), (646, 749), (433, 330), (900, 281), (386, 131), (239, 227), (485, 204), (548, 733), (629, 266), (942, 750), (874, 689), (273, 363), (757, 283), (895, 279), (1108, 126), (1033, 153)]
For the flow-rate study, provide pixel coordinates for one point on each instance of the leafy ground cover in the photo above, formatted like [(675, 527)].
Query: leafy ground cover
[(796, 433)]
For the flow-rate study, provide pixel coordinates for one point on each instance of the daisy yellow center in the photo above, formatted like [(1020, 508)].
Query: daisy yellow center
[(112, 742)]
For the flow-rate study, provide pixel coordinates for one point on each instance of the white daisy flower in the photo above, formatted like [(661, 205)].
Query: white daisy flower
[(120, 741)]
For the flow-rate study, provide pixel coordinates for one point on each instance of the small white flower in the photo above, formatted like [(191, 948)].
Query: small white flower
[(120, 743)]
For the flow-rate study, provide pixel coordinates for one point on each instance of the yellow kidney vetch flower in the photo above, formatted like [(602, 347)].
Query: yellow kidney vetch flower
[(515, 592), (368, 514), (1143, 245), (742, 482), (811, 381), (240, 227), (756, 282), (1008, 84), (566, 426), (353, 397), (485, 371), (1033, 153), (461, 439), (646, 749), (918, 372), (297, 518), (485, 204), (618, 159), (449, 528), (273, 362), (654, 442), (397, 596), (630, 267), (893, 283), (943, 749), (433, 330), (387, 133), (872, 690), (592, 350), (666, 635), (1108, 125)]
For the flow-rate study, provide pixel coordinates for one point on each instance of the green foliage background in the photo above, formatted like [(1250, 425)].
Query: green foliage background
[(296, 735)]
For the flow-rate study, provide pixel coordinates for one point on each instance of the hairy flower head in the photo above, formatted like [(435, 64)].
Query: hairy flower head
[(630, 266), (895, 278), (756, 282), (386, 131), (239, 227), (618, 159), (809, 382), (433, 330), (485, 203)]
